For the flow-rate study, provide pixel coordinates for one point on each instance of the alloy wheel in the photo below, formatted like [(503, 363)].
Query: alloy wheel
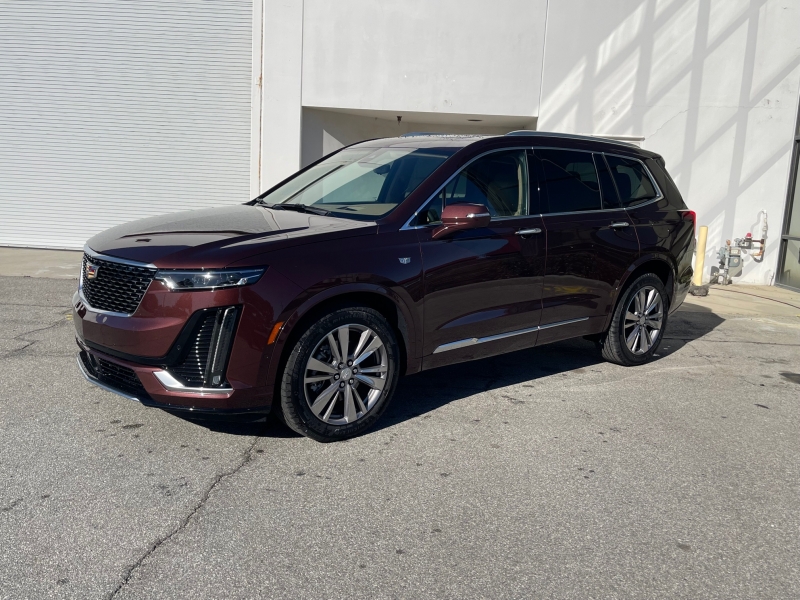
[(644, 318), (345, 374)]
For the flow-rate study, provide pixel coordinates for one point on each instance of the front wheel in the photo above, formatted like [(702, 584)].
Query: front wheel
[(638, 322), (340, 375)]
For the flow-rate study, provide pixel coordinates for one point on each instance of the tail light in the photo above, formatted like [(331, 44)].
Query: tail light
[(691, 216)]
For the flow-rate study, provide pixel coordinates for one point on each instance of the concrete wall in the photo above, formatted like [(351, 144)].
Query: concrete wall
[(711, 85), (280, 86), (448, 56)]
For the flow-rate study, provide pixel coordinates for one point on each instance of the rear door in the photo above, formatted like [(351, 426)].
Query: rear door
[(590, 243), (661, 226), (483, 282)]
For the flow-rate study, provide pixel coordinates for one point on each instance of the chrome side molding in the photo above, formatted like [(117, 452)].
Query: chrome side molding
[(501, 336)]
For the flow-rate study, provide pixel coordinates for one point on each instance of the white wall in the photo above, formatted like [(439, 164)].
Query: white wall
[(279, 128), (711, 85), (448, 56)]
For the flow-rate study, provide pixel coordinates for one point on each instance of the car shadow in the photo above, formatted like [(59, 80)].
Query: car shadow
[(424, 392), (429, 390)]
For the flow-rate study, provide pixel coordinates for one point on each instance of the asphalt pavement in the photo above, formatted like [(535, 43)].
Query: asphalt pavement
[(547, 473)]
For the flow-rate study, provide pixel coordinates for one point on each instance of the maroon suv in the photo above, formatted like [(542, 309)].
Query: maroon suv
[(386, 258)]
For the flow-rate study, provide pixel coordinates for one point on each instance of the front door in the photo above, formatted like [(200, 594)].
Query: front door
[(483, 286), (590, 243)]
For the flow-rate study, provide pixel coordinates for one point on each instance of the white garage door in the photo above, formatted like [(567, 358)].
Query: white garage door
[(115, 110)]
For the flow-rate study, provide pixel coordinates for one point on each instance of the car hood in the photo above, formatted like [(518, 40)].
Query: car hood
[(217, 237)]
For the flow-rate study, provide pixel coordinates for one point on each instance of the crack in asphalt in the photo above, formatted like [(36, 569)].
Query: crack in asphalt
[(22, 337), (247, 457)]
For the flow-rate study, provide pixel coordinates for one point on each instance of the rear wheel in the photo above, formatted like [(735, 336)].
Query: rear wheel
[(340, 375), (638, 324)]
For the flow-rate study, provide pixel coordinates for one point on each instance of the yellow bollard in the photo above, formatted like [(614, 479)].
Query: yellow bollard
[(702, 237)]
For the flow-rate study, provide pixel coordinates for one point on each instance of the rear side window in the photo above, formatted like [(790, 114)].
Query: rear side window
[(498, 181), (633, 182), (570, 179)]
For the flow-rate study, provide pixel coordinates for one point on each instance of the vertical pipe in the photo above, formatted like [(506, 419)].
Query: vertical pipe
[(700, 259)]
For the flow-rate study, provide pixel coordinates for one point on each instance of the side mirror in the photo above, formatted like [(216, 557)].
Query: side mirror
[(459, 217)]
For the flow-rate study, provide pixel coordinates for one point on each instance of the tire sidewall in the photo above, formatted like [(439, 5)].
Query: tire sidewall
[(296, 411), (643, 281)]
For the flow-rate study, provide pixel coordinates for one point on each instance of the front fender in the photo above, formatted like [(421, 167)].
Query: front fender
[(408, 323)]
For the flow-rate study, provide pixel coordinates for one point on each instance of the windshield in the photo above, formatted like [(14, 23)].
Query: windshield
[(360, 183)]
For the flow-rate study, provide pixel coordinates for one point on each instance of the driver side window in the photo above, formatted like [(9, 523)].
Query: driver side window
[(498, 181)]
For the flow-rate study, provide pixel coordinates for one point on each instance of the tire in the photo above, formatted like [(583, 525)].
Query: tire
[(313, 401), (631, 342)]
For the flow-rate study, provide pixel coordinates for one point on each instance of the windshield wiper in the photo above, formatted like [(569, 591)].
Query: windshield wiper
[(313, 210)]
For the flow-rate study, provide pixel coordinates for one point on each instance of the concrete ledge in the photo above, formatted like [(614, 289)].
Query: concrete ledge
[(30, 262)]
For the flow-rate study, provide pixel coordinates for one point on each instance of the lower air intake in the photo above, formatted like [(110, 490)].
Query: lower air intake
[(208, 348), (113, 375)]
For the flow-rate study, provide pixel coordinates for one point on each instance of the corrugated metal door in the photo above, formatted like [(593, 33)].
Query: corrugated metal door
[(115, 110)]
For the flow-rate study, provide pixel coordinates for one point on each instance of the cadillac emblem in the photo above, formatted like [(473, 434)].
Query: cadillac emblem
[(91, 271)]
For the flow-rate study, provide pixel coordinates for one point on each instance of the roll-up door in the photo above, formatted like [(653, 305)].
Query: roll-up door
[(112, 110)]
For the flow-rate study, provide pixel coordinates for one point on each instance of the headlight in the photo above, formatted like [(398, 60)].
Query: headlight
[(207, 280)]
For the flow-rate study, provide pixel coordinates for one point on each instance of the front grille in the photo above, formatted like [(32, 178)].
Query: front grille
[(117, 287), (192, 370), (113, 375)]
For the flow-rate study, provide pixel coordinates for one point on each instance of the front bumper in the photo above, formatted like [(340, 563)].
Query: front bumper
[(151, 386), (149, 345)]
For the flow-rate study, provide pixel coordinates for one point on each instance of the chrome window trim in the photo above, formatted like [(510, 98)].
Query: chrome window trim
[(501, 336), (601, 210), (581, 212), (113, 259), (408, 227), (171, 384), (101, 385)]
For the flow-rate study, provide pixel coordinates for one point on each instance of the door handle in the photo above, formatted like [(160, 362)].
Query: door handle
[(620, 225), (529, 231)]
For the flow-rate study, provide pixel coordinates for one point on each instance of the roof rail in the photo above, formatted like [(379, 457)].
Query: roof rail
[(422, 133), (437, 134), (575, 136)]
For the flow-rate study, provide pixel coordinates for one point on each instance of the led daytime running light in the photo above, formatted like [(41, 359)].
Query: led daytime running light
[(177, 280)]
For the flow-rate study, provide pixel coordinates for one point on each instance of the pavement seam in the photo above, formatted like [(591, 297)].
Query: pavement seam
[(247, 456)]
